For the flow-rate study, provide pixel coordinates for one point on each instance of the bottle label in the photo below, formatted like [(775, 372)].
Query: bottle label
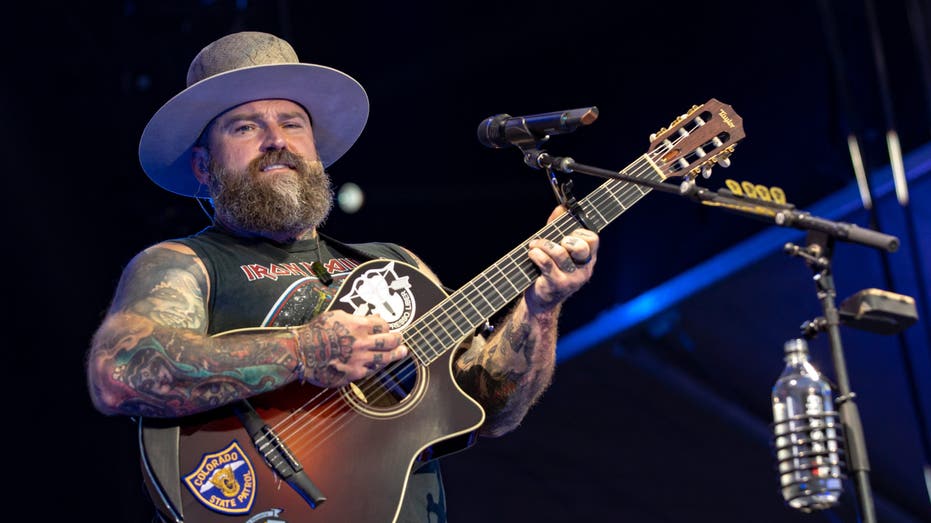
[(779, 411), (813, 404)]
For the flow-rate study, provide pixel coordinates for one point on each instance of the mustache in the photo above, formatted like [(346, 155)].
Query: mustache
[(278, 157)]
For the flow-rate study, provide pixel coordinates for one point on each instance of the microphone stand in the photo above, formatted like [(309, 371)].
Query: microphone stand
[(822, 235), (817, 255)]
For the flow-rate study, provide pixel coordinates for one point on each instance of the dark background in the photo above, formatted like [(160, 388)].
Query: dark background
[(663, 419)]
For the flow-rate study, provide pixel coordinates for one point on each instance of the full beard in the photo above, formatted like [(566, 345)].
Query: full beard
[(281, 204)]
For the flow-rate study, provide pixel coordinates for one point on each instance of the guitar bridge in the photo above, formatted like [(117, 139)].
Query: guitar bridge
[(277, 454)]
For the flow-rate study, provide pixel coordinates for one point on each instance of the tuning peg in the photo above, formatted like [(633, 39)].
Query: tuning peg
[(724, 162), (706, 171)]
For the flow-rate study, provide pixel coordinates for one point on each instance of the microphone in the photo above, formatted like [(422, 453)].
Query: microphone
[(502, 130)]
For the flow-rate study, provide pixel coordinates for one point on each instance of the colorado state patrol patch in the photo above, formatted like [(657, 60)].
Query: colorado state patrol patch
[(224, 481)]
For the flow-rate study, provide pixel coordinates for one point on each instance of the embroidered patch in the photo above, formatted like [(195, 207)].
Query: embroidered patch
[(224, 481), (383, 292)]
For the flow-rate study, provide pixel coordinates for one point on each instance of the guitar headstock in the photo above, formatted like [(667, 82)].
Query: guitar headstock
[(696, 141)]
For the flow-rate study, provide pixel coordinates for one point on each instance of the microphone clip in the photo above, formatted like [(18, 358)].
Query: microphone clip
[(562, 189)]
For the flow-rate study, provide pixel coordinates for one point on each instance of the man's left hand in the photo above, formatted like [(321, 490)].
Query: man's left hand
[(565, 267)]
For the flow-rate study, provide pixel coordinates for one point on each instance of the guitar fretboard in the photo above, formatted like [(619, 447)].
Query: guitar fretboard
[(441, 328)]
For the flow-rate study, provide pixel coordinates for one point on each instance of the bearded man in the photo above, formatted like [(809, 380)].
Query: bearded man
[(236, 346)]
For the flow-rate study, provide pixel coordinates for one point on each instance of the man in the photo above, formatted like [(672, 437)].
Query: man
[(253, 131)]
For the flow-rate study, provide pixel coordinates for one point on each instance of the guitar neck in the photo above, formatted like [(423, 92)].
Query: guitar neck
[(440, 329)]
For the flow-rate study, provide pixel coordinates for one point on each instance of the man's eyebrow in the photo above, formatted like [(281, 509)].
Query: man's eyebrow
[(294, 114), (235, 117)]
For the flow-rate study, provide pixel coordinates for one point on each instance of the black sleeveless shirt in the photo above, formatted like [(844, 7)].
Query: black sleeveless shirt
[(255, 282)]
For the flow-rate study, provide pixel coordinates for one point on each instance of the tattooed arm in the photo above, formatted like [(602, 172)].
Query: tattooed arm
[(152, 356), (509, 372)]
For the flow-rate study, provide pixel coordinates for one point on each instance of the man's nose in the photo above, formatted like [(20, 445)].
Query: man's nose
[(273, 140)]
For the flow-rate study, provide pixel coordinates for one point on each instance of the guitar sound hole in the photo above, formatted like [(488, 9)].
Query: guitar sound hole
[(388, 388)]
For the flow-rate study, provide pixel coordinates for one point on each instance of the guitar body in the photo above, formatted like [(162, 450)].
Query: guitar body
[(357, 444)]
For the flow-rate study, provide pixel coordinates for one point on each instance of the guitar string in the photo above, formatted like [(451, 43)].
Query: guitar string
[(410, 368)]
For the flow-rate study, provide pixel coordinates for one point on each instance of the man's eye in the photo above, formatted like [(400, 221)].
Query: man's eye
[(243, 128)]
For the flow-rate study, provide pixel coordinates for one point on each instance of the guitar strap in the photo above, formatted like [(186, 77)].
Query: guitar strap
[(349, 249), (364, 256)]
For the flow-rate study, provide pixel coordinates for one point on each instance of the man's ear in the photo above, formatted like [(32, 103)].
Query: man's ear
[(200, 158)]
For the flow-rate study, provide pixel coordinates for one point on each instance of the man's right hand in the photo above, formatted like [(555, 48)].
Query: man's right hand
[(339, 347)]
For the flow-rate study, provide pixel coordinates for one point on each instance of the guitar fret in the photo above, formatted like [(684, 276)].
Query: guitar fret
[(442, 324), (414, 346), (432, 332), (603, 222), (624, 194), (461, 315), (451, 321), (427, 341), (462, 294), (476, 292), (570, 225), (495, 287), (431, 342), (510, 283)]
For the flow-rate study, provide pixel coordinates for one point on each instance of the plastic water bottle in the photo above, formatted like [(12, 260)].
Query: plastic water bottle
[(807, 434)]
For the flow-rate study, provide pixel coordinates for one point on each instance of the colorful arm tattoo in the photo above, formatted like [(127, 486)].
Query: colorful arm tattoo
[(152, 357)]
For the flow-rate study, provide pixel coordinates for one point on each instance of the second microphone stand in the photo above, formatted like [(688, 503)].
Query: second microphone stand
[(817, 254), (822, 235)]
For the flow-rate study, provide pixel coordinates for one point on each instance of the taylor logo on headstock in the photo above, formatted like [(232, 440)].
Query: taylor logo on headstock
[(383, 292), (224, 481)]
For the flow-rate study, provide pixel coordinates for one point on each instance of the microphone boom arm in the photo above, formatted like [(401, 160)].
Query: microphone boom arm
[(784, 215)]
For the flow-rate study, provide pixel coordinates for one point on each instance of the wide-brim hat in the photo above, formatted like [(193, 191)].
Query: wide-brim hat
[(240, 68)]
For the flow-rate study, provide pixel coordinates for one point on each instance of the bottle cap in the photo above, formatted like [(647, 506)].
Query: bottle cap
[(797, 345)]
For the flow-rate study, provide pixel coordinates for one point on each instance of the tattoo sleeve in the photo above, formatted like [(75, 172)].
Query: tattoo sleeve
[(509, 372), (151, 355)]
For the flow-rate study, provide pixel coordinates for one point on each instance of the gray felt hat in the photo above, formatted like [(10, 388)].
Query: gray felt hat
[(237, 69)]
